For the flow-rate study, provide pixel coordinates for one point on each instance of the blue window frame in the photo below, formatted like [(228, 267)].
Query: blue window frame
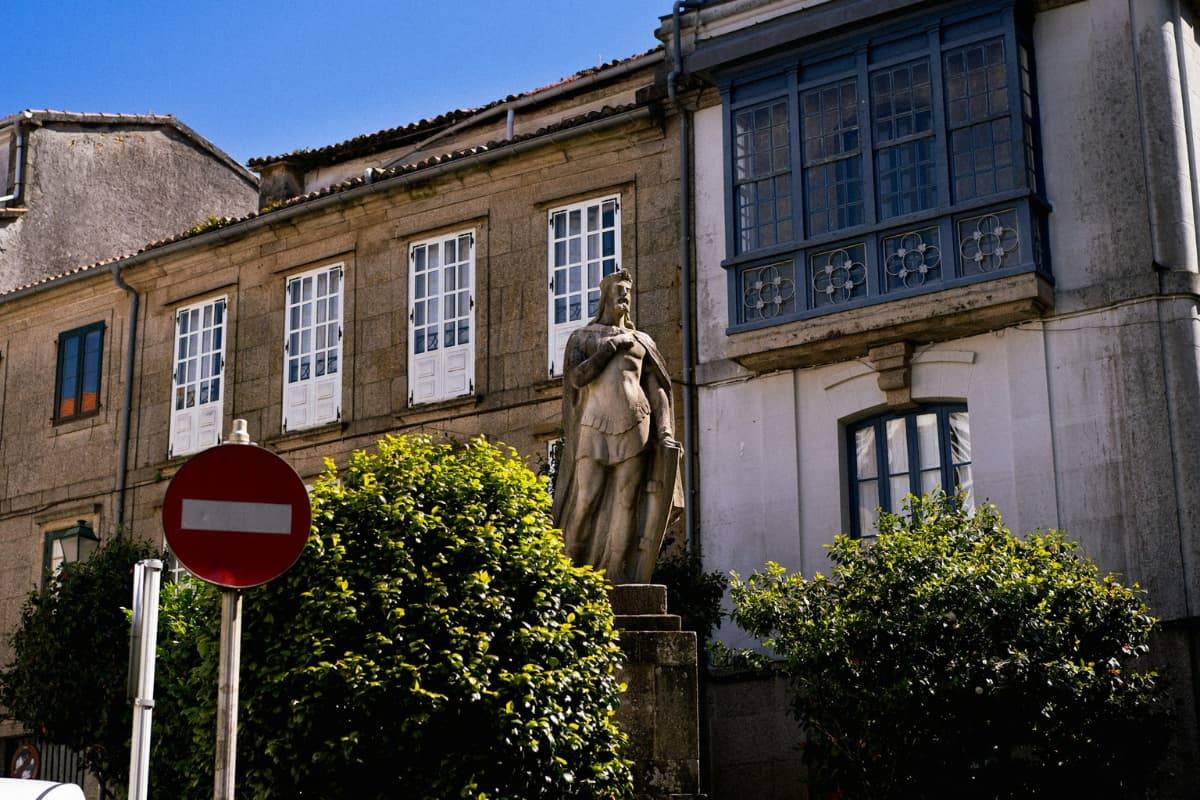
[(77, 377), (893, 455), (896, 160)]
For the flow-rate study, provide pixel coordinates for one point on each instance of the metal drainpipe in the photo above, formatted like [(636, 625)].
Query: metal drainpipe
[(127, 405), (685, 261), (689, 370)]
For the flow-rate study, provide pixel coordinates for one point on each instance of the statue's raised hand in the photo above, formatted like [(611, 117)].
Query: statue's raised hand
[(624, 341)]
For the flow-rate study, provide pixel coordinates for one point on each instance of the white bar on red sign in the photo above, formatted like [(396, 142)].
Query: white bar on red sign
[(232, 515)]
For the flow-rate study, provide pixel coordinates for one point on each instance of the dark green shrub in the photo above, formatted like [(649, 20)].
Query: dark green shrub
[(949, 658), (66, 680), (692, 593), (433, 641), (183, 741)]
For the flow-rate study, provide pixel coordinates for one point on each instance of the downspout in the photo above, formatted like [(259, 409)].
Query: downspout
[(690, 445), (127, 404), (685, 265)]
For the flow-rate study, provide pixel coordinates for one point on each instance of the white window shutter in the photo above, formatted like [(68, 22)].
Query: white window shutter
[(583, 245), (297, 406), (423, 374)]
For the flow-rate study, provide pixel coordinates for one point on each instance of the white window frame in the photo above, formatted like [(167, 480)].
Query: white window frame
[(558, 247), (203, 420), (446, 372), (309, 402)]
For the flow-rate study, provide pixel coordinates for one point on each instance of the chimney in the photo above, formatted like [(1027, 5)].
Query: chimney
[(279, 180)]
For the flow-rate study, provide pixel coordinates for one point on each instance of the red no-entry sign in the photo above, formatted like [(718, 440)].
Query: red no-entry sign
[(236, 515)]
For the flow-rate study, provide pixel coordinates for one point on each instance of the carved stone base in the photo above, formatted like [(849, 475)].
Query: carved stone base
[(660, 708)]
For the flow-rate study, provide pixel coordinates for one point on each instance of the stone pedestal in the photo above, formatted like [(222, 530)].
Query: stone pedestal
[(660, 707)]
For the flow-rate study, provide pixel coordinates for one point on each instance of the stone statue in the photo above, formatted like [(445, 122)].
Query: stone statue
[(618, 475)]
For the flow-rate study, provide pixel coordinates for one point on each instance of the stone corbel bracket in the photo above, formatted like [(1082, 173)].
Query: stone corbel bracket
[(893, 365)]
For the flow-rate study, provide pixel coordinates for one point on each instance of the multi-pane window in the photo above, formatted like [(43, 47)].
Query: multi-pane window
[(895, 455), (174, 569), (762, 176), (441, 318), (902, 116), (893, 148), (584, 246), (832, 157), (312, 386), (978, 117), (77, 380), (197, 379)]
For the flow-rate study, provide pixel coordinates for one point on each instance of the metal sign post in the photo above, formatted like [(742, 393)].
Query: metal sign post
[(236, 516), (228, 672), (143, 644), (227, 694)]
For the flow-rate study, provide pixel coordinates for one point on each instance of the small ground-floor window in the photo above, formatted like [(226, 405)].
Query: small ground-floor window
[(897, 454)]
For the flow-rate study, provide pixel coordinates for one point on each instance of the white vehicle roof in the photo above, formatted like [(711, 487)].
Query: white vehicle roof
[(18, 789)]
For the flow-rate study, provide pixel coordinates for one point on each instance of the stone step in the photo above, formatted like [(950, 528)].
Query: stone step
[(638, 599), (647, 622)]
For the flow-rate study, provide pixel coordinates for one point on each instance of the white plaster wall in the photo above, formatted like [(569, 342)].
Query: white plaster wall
[(748, 480), (774, 487), (1115, 445)]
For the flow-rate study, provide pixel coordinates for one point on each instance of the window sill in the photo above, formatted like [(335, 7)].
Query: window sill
[(167, 469), (306, 437), (426, 411), (937, 316), (82, 422), (13, 213)]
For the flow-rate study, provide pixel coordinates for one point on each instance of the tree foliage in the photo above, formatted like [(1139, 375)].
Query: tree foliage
[(433, 641), (949, 658), (70, 656), (183, 740)]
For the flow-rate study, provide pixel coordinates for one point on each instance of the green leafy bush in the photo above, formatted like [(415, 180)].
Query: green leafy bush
[(433, 641), (183, 740), (66, 680), (949, 658)]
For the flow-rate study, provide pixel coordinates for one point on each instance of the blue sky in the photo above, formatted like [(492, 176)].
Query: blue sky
[(261, 77)]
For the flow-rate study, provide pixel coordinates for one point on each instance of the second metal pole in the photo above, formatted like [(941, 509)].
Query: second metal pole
[(141, 680)]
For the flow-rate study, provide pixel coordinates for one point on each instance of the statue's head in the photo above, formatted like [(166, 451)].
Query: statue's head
[(616, 298)]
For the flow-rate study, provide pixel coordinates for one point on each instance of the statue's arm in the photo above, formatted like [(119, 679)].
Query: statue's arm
[(660, 408), (583, 370)]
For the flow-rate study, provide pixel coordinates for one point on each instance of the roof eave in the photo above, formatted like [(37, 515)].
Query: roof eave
[(359, 188)]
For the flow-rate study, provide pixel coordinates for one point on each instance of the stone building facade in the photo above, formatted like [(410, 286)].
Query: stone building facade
[(75, 188), (950, 245), (418, 279)]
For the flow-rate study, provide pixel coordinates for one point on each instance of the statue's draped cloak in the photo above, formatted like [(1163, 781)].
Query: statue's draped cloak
[(656, 502)]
